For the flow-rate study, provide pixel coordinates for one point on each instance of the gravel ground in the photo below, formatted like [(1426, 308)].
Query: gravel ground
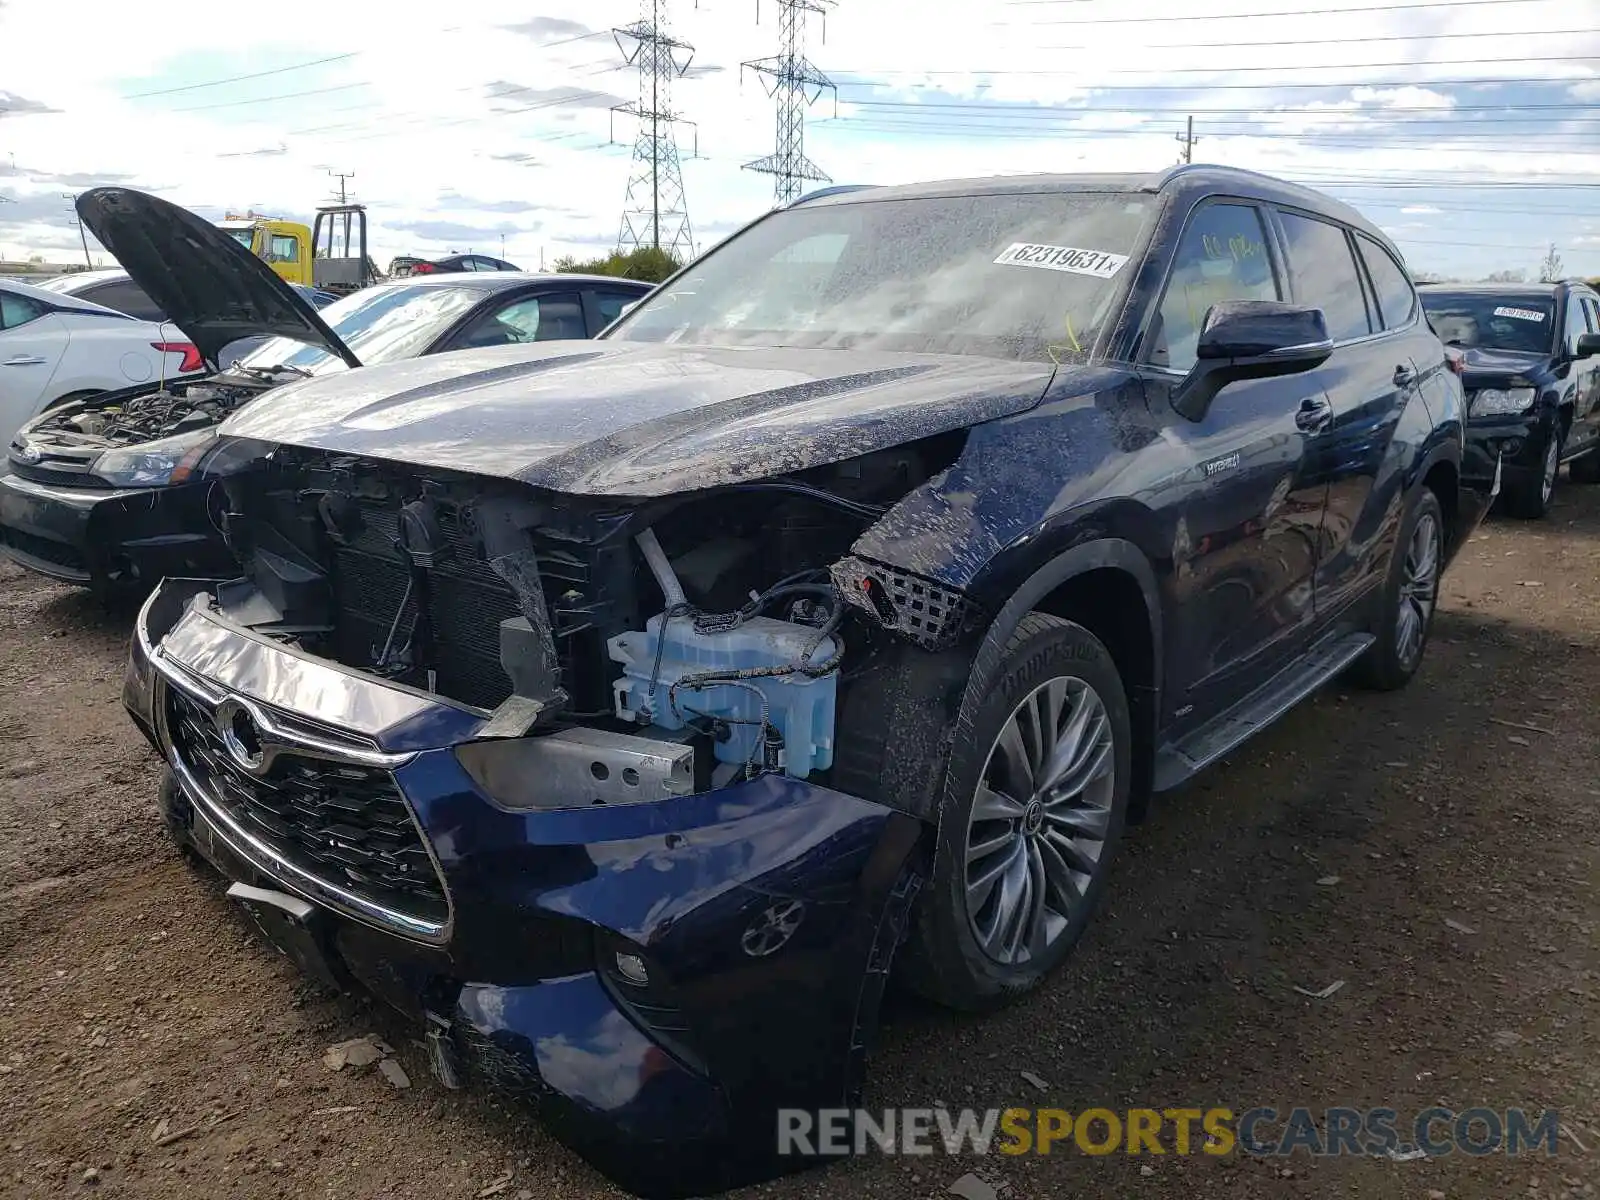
[(133, 1004)]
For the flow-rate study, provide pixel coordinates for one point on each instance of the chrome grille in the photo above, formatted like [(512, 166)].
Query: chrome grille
[(343, 823)]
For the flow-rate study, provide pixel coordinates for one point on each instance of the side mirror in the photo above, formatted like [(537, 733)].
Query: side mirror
[(1588, 345), (1251, 339)]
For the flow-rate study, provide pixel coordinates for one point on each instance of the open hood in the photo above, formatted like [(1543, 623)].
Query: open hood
[(209, 285)]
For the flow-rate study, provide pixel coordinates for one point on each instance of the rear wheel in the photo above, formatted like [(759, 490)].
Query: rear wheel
[(1410, 597), (1037, 800)]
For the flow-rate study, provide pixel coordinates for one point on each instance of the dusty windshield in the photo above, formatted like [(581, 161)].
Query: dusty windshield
[(389, 321), (1493, 320), (1015, 276)]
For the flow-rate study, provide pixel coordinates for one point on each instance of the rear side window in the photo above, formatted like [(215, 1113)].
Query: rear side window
[(126, 297), (1325, 274), (15, 311), (1223, 256), (610, 305), (1397, 299)]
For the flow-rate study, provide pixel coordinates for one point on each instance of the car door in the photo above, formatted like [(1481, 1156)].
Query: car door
[(1586, 381), (1249, 511), (1370, 379), (542, 317), (33, 341), (604, 305)]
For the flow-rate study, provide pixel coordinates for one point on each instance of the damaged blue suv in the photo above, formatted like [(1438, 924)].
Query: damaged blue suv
[(624, 710)]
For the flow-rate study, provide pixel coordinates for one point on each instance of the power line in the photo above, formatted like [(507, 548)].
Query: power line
[(655, 185), (795, 84), (1336, 41), (1296, 12), (318, 62), (865, 78), (323, 91), (1023, 110), (1469, 141), (194, 87)]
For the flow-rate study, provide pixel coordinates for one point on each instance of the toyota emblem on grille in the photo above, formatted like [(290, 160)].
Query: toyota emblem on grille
[(240, 731)]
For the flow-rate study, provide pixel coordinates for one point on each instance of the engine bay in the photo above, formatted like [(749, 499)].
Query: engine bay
[(118, 420), (705, 624)]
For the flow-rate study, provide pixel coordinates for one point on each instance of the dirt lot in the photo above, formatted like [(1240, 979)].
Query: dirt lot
[(1463, 921)]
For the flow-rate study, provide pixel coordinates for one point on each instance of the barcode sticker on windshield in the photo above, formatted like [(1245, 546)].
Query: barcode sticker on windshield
[(1098, 263), (1521, 314)]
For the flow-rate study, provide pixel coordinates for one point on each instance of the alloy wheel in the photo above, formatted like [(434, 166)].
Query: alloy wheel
[(1552, 467), (1040, 820), (1419, 589)]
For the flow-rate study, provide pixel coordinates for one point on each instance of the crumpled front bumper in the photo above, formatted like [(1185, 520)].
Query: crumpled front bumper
[(767, 913)]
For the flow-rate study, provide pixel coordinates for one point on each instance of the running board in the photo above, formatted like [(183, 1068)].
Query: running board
[(1202, 747)]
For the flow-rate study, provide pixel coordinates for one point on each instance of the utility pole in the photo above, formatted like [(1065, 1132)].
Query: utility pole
[(795, 84), (655, 180), (83, 237), (1187, 140), (341, 176)]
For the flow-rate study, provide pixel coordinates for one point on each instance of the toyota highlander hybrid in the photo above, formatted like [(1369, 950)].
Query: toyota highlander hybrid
[(624, 711)]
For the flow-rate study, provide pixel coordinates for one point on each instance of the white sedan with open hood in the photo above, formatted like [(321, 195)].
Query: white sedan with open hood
[(113, 490), (55, 349)]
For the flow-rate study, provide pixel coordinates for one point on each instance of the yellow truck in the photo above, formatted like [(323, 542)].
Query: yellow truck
[(331, 254)]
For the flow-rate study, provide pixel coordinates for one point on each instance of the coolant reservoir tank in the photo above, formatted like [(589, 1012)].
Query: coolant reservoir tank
[(799, 706)]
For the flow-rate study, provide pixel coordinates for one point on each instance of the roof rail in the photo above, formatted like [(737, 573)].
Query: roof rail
[(837, 189)]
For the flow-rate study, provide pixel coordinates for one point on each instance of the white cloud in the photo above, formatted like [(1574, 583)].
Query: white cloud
[(460, 128), (1420, 210)]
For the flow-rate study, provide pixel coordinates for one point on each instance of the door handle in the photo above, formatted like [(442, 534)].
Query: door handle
[(1315, 413), (1404, 377), (24, 360)]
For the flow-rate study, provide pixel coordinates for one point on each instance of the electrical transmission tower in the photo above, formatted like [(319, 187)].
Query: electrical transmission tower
[(656, 213), (795, 84)]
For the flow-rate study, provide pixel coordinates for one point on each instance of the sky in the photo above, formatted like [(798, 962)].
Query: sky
[(1469, 131)]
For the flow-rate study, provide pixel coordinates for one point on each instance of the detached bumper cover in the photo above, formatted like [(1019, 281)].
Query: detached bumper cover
[(96, 535), (765, 913)]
